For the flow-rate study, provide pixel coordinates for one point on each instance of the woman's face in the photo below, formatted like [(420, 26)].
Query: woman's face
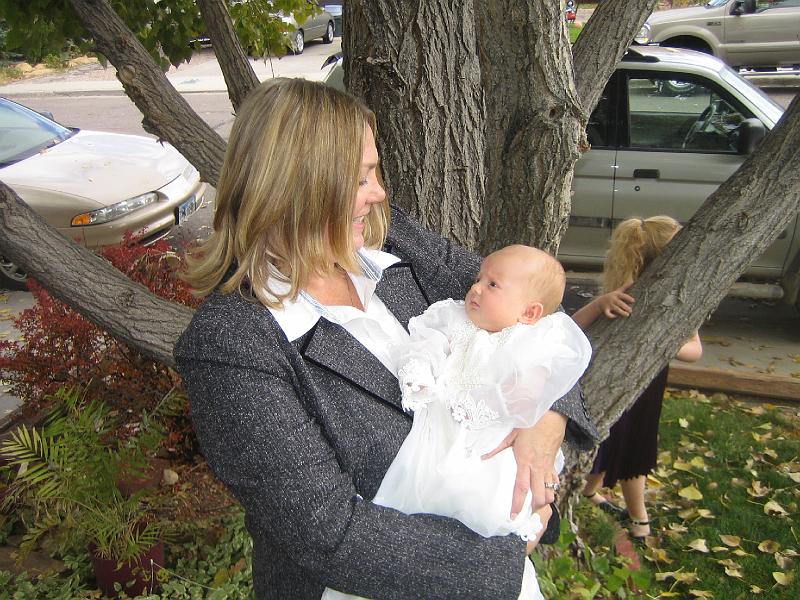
[(370, 190)]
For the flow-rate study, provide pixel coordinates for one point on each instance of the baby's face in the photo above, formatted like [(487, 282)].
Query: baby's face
[(501, 295)]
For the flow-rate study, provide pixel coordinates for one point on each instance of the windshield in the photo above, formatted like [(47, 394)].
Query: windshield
[(716, 3), (24, 132)]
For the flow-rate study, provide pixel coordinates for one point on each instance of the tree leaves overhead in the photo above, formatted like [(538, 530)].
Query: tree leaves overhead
[(165, 28)]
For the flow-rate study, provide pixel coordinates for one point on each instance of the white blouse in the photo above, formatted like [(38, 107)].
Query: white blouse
[(376, 328)]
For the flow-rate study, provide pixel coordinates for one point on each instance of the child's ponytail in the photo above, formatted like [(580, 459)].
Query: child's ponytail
[(634, 245)]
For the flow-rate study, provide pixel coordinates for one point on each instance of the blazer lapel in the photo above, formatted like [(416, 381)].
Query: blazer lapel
[(332, 347), (400, 291)]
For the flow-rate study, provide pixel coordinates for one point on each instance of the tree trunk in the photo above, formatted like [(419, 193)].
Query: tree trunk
[(89, 283), (239, 75), (534, 123), (414, 63), (166, 113), (612, 26)]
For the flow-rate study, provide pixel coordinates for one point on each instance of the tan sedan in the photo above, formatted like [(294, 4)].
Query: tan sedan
[(93, 187)]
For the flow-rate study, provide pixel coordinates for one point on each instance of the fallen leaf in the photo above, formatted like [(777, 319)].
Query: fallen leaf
[(784, 562), (698, 462), (699, 545), (740, 552), (730, 540), (782, 578), (682, 466), (771, 453), (720, 549), (690, 492), (773, 507), (794, 477), (758, 489), (683, 423), (769, 546), (754, 589), (701, 594)]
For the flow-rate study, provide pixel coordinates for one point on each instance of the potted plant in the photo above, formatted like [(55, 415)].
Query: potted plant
[(67, 476)]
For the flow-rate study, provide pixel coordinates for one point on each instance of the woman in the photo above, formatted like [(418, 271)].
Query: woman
[(285, 360)]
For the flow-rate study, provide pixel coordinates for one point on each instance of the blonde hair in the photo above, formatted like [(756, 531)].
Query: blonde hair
[(286, 192), (635, 243), (548, 282)]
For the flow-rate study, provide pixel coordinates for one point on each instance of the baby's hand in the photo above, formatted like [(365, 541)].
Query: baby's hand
[(616, 303), (415, 378)]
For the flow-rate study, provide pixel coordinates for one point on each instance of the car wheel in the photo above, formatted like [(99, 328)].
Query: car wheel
[(298, 43), (673, 87), (328, 37), (11, 276)]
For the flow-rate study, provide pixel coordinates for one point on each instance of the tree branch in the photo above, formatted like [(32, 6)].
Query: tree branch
[(88, 283), (239, 75), (603, 41), (166, 113), (690, 278)]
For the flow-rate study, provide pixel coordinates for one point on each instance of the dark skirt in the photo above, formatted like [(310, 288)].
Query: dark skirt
[(631, 448)]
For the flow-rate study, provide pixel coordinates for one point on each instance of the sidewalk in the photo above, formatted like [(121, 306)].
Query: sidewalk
[(200, 75)]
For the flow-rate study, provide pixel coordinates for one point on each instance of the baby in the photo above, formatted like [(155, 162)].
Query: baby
[(471, 372)]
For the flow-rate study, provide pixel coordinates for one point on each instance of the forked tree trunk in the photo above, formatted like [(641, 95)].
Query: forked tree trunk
[(421, 68)]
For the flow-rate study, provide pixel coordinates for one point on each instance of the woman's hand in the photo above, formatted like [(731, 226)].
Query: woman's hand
[(535, 450), (544, 514)]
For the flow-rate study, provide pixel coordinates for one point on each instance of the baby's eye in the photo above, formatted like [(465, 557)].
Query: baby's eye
[(493, 284)]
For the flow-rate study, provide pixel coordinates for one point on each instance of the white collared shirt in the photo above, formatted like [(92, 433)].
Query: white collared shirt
[(376, 328)]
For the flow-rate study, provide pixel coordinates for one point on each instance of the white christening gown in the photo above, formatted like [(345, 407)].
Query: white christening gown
[(468, 389)]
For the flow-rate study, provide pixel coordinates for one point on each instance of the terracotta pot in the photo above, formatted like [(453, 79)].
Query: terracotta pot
[(138, 571)]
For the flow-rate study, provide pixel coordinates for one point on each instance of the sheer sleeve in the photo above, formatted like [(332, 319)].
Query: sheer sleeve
[(421, 360), (532, 369)]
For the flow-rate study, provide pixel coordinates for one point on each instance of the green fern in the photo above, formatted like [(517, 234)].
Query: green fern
[(66, 476)]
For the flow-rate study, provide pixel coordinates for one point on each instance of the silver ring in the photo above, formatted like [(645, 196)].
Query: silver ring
[(552, 486)]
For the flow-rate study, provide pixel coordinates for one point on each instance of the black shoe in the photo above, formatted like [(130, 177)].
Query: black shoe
[(553, 530), (608, 507)]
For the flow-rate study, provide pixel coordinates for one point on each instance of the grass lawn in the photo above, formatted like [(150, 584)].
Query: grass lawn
[(722, 501)]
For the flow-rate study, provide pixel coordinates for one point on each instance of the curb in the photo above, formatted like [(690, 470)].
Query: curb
[(751, 384)]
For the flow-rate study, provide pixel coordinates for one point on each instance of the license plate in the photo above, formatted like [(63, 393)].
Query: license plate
[(186, 209)]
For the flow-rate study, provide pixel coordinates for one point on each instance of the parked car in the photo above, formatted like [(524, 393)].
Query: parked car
[(670, 127), (743, 33), (335, 8), (320, 25), (93, 187)]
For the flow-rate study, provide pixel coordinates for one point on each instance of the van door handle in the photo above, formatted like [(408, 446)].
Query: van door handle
[(646, 174)]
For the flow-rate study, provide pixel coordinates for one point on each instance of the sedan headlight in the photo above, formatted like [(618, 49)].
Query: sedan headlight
[(115, 211), (643, 37)]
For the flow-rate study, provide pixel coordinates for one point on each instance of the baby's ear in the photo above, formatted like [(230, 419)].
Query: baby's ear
[(533, 312)]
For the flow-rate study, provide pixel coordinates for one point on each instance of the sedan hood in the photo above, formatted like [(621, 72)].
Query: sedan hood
[(103, 167)]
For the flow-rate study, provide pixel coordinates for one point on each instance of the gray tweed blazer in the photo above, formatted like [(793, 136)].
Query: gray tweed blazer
[(302, 433)]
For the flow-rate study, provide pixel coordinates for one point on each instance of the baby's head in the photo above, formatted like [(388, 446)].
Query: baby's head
[(516, 284)]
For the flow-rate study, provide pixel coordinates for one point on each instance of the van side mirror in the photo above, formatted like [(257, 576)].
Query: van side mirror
[(751, 132)]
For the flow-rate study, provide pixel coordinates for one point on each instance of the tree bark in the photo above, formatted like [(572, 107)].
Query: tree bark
[(534, 122), (612, 27), (239, 75), (166, 113), (414, 63), (89, 283)]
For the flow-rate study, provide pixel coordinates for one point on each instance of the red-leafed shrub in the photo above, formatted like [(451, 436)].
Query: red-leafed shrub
[(59, 347)]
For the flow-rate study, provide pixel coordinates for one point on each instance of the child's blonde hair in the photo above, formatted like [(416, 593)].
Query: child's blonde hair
[(634, 244)]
